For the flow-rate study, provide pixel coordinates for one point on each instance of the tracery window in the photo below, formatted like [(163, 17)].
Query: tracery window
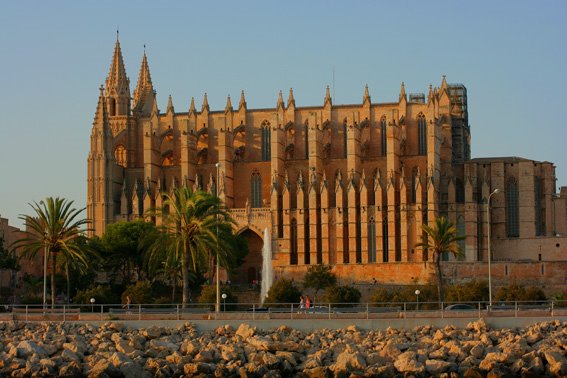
[(385, 240), (459, 191), (512, 209), (383, 136), (539, 211), (293, 241), (306, 141), (372, 241), (256, 189), (421, 134), (344, 140), (266, 141)]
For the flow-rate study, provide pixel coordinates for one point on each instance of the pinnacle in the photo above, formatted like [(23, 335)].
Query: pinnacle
[(242, 102), (117, 78), (290, 99), (228, 106), (205, 103), (328, 95), (144, 85), (170, 105)]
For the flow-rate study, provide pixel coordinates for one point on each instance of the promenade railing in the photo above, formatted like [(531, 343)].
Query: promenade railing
[(253, 311)]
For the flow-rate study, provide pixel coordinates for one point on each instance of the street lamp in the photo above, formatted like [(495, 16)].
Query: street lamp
[(217, 306), (488, 246), (224, 301), (92, 304), (417, 292)]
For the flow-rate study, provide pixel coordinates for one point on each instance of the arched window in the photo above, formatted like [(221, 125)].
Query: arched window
[(539, 212), (385, 240), (372, 241), (344, 139), (293, 243), (461, 232), (421, 135), (512, 210), (383, 136), (256, 189), (459, 191), (306, 141), (266, 141)]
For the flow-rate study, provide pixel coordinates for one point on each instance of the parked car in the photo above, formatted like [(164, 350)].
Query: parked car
[(460, 307)]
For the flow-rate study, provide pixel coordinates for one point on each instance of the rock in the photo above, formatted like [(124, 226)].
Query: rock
[(473, 372), (499, 372), (50, 349), (70, 370), (261, 343), (477, 351), (478, 326), (28, 348), (492, 359), (204, 356), (118, 359), (77, 347), (104, 368), (407, 363), (163, 346), (317, 372), (69, 356), (189, 348), (133, 370), (245, 331), (436, 367), (124, 347), (197, 368), (557, 362), (231, 352), (153, 332)]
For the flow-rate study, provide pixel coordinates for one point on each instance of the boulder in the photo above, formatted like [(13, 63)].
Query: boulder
[(245, 331), (159, 345), (436, 367), (153, 332), (557, 362), (407, 363), (28, 348)]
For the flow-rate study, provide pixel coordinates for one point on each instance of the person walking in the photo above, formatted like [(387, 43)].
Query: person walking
[(307, 302), (301, 304)]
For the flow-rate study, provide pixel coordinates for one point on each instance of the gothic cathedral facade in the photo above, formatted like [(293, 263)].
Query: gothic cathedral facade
[(345, 185)]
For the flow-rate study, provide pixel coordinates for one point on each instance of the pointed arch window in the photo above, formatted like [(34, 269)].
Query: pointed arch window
[(372, 241), (421, 134), (539, 210), (459, 191), (383, 136), (512, 209), (344, 139), (120, 155), (256, 189), (266, 141), (461, 232), (293, 242), (306, 141)]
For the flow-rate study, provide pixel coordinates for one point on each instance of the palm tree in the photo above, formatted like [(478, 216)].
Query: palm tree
[(54, 229), (195, 226), (439, 239)]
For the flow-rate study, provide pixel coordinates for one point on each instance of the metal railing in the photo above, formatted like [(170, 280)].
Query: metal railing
[(253, 311)]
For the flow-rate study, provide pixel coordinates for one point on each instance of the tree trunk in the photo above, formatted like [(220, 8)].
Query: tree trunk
[(68, 282), (185, 271), (53, 261), (437, 258)]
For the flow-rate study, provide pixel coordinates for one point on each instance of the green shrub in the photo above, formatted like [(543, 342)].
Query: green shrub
[(32, 300), (283, 291), (342, 294), (319, 277), (102, 294), (209, 295), (140, 293), (517, 292), (473, 291)]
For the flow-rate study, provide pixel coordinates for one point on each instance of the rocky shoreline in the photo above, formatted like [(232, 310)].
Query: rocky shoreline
[(112, 350)]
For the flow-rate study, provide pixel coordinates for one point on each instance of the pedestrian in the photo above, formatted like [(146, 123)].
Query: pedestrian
[(301, 304), (307, 302), (128, 302)]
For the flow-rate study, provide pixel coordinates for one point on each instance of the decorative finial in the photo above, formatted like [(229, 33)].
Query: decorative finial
[(366, 95), (280, 103), (328, 96), (242, 102), (290, 99)]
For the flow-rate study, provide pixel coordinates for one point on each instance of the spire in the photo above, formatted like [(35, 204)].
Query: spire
[(290, 99), (430, 94), (170, 105), (228, 107), (144, 85), (205, 103), (280, 101), (328, 97), (101, 116), (117, 82), (403, 92), (443, 83), (242, 102), (192, 106), (366, 97)]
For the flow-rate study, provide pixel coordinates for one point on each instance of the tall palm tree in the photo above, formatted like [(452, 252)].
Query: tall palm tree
[(55, 228), (195, 226), (439, 239)]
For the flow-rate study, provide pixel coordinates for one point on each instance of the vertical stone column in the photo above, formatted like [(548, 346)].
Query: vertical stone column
[(340, 218), (226, 160), (301, 213), (365, 215), (392, 215), (353, 171), (326, 220), (316, 168), (287, 218), (498, 201), (471, 224), (404, 219), (353, 221), (393, 168), (380, 217), (419, 215)]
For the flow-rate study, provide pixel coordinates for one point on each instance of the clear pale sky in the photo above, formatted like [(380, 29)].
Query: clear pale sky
[(511, 55)]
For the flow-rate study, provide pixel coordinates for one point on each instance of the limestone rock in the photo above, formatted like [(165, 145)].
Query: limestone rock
[(407, 363), (245, 331), (436, 367), (27, 348)]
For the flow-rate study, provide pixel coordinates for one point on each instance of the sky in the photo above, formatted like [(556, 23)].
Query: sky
[(511, 56)]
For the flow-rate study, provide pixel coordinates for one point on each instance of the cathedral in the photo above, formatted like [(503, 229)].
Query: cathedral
[(348, 185)]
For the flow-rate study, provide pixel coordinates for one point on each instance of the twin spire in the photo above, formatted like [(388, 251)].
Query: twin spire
[(144, 86), (117, 83)]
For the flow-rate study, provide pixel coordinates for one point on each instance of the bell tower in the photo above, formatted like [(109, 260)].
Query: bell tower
[(117, 85)]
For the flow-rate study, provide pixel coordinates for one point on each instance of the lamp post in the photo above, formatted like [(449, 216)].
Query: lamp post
[(488, 247), (224, 301), (417, 292), (217, 306), (92, 304)]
